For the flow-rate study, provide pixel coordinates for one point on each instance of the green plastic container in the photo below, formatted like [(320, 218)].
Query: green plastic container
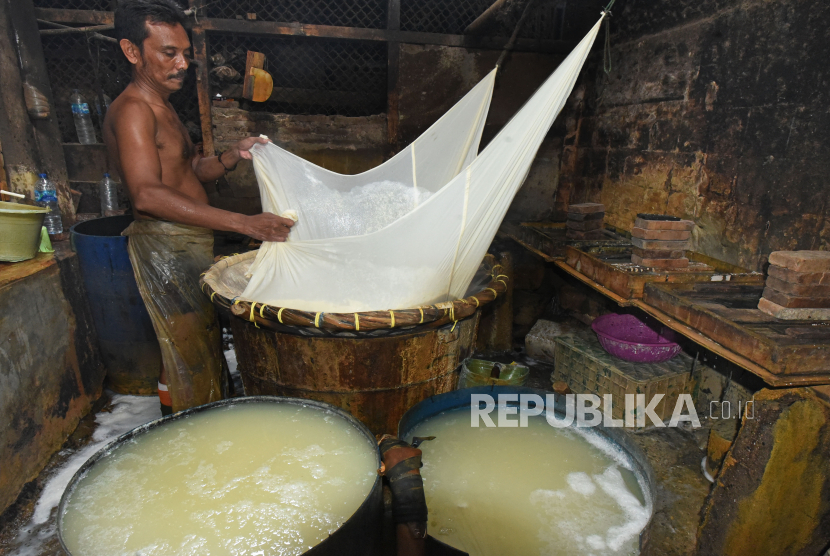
[(476, 372), (20, 231)]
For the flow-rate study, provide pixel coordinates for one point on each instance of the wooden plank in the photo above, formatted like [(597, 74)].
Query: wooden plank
[(357, 33), (700, 338), (621, 301), (85, 17), (775, 345), (393, 59), (12, 272), (253, 60), (535, 242), (200, 49), (774, 380), (614, 270)]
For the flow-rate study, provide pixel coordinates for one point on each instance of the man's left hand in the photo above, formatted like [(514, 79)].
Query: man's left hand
[(243, 147)]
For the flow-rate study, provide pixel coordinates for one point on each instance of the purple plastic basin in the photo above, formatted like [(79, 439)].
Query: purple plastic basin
[(635, 340)]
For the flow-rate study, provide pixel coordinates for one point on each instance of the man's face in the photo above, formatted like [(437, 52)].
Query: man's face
[(166, 56)]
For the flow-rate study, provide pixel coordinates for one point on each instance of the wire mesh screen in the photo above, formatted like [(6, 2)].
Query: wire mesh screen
[(93, 66), (101, 5), (346, 13), (440, 16), (331, 77), (453, 17)]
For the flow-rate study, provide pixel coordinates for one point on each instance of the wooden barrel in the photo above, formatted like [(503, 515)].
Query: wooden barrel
[(376, 379), (375, 365)]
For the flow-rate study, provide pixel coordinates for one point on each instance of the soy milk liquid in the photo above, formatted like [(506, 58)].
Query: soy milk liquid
[(529, 491), (246, 479)]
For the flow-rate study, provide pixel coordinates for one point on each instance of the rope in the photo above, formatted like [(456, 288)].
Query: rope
[(279, 314), (317, 319), (262, 309), (251, 317), (606, 53), (495, 293), (393, 319), (356, 322), (422, 316)]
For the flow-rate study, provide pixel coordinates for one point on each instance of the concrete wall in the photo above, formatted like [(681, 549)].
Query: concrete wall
[(50, 369), (715, 111)]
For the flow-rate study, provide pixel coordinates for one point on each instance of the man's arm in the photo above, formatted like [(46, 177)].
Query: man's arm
[(214, 167), (135, 131)]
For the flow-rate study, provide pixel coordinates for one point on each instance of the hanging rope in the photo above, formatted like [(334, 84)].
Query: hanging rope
[(606, 53)]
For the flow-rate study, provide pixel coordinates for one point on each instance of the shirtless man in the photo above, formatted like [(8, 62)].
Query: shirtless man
[(171, 241)]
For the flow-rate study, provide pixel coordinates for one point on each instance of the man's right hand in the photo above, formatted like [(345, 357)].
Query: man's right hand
[(268, 227)]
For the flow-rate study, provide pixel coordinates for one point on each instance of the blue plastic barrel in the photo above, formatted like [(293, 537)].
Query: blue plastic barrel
[(125, 333)]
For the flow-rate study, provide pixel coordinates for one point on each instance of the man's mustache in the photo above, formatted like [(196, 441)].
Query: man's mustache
[(178, 75)]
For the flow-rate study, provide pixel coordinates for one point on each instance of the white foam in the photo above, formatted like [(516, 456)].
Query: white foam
[(581, 482), (612, 483), (128, 412)]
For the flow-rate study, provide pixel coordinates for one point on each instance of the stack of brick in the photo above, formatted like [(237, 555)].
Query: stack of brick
[(585, 221), (661, 241), (798, 286)]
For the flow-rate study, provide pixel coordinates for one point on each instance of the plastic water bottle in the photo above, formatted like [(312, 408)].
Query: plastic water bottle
[(109, 196), (46, 196), (83, 121)]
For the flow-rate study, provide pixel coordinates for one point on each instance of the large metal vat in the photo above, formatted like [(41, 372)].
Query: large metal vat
[(126, 337), (462, 399), (358, 536), (375, 365)]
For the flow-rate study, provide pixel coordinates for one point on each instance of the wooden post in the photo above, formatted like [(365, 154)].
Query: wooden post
[(31, 145), (393, 23), (495, 331), (200, 56)]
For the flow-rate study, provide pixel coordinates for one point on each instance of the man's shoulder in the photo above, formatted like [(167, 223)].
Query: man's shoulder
[(128, 106)]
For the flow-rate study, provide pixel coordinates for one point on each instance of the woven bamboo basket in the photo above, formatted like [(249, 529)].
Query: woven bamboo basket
[(225, 281)]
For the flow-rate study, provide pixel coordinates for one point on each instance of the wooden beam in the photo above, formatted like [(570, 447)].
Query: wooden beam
[(31, 145), (238, 26), (84, 17), (393, 55), (482, 20), (200, 49), (246, 27)]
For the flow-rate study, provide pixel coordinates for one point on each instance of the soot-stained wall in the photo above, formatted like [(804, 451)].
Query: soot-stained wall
[(715, 111)]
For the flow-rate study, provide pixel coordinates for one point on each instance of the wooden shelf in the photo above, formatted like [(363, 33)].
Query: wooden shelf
[(774, 380)]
